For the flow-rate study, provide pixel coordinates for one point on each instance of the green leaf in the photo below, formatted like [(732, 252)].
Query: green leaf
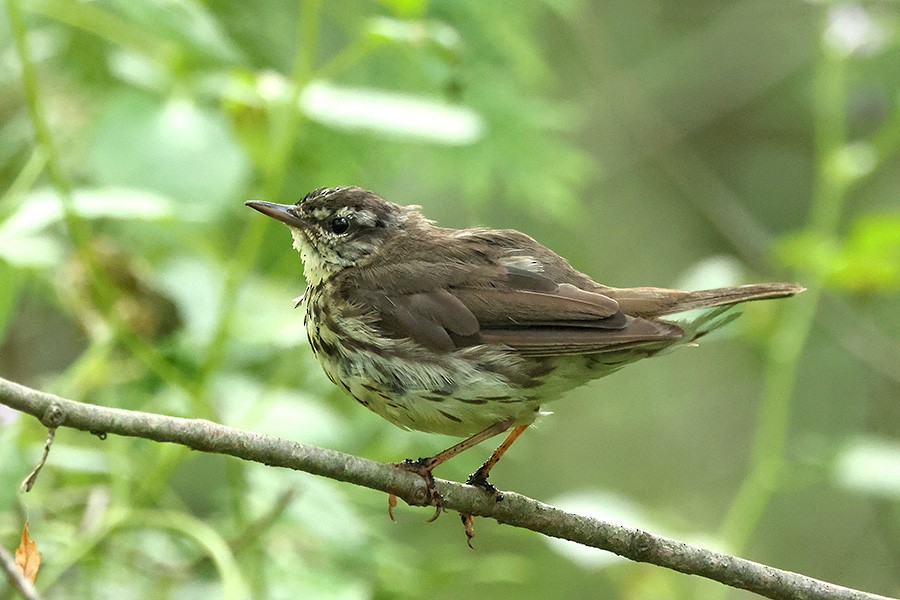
[(25, 243), (867, 260), (391, 114), (42, 208), (712, 272), (176, 148), (431, 35), (870, 260), (292, 414), (185, 23), (869, 465), (406, 8), (79, 459), (196, 287), (280, 324), (31, 251), (12, 470)]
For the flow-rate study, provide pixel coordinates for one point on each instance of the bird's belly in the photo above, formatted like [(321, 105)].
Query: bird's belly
[(454, 393), (448, 396)]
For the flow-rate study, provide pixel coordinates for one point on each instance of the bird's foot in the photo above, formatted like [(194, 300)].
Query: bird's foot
[(480, 479), (422, 467)]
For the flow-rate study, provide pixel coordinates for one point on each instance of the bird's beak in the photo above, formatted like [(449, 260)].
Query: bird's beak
[(281, 212)]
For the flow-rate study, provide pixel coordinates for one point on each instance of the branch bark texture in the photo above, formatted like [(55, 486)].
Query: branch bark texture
[(514, 509)]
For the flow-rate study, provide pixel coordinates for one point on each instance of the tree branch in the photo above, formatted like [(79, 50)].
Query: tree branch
[(514, 509)]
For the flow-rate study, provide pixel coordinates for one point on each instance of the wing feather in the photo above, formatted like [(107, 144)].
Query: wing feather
[(519, 308)]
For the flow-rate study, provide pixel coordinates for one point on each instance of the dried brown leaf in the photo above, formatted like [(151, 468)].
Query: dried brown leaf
[(27, 556)]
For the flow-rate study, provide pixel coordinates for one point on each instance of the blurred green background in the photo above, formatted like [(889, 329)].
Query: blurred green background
[(666, 143)]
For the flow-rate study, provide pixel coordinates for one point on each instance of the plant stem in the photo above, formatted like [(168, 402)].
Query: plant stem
[(78, 227), (286, 131), (786, 347)]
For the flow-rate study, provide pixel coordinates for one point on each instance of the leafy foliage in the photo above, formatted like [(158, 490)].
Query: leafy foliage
[(638, 139)]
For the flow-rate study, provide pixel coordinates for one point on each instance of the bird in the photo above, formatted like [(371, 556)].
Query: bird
[(469, 332)]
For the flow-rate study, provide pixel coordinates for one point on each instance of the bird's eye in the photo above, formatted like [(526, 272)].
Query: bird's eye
[(340, 225)]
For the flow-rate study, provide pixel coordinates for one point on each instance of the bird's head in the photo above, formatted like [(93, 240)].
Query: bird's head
[(336, 228)]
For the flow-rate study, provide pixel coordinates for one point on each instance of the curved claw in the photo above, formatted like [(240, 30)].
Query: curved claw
[(423, 468), (438, 509)]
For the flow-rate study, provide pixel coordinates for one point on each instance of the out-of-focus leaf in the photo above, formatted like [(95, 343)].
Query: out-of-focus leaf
[(7, 416), (31, 251), (137, 302), (27, 556), (870, 260), (42, 208), (430, 34), (291, 414), (23, 242), (852, 29), (853, 161), (197, 589), (291, 577), (566, 9), (323, 509), (78, 459), (11, 470), (867, 260), (869, 465), (523, 154), (807, 251), (406, 8), (176, 148), (391, 114), (234, 583), (184, 22), (266, 314), (196, 287), (138, 70), (712, 272)]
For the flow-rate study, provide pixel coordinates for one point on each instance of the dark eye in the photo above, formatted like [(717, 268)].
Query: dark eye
[(340, 225)]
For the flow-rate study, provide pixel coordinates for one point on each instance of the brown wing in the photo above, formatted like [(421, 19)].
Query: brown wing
[(522, 309), (452, 289)]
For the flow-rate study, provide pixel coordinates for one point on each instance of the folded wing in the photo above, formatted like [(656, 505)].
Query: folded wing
[(521, 309)]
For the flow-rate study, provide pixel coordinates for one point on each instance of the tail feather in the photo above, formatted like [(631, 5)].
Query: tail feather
[(732, 295), (658, 302), (706, 322)]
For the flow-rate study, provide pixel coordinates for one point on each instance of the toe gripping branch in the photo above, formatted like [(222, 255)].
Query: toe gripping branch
[(425, 466), (422, 467)]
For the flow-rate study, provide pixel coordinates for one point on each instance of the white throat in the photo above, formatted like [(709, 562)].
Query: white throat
[(315, 269)]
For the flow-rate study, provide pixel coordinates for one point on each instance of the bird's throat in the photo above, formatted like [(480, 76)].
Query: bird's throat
[(315, 268)]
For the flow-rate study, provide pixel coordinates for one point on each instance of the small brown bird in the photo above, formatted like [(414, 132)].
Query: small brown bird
[(468, 332)]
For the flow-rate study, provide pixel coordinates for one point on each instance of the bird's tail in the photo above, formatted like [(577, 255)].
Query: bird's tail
[(659, 302), (707, 321), (732, 295)]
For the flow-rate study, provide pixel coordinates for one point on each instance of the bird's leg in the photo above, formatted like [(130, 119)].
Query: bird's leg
[(480, 476), (424, 466)]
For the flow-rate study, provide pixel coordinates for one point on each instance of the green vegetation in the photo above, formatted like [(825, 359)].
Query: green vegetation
[(652, 143)]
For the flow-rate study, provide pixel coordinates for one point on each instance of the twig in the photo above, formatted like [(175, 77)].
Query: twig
[(52, 419), (515, 509)]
